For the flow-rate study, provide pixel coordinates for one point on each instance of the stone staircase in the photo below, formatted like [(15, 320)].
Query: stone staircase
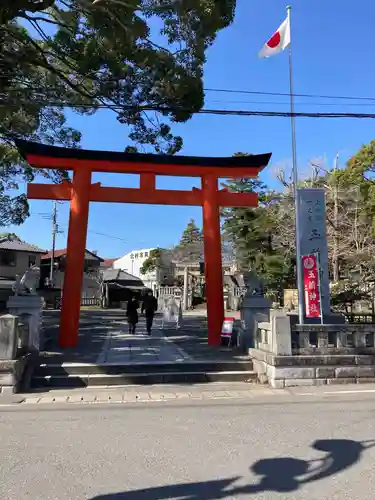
[(75, 375)]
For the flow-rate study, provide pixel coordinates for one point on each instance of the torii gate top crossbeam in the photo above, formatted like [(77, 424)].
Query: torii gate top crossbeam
[(43, 156)]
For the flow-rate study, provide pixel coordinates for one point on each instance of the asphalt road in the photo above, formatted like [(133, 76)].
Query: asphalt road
[(296, 448)]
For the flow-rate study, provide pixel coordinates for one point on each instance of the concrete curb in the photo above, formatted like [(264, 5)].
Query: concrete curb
[(11, 399)]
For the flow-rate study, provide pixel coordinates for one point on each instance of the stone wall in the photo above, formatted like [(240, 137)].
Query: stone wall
[(308, 370), (306, 355), (17, 355), (15, 374)]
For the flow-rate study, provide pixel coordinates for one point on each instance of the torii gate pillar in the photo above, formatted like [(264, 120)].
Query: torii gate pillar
[(75, 257), (212, 258)]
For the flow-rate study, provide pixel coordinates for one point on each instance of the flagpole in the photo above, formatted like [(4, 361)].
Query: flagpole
[(300, 284)]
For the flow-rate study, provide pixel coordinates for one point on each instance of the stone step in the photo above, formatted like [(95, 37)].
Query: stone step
[(54, 369), (145, 378)]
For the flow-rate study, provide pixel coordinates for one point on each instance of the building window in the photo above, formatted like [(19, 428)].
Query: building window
[(8, 258), (32, 260)]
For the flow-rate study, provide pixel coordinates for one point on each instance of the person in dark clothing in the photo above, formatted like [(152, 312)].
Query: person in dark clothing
[(149, 307), (132, 314)]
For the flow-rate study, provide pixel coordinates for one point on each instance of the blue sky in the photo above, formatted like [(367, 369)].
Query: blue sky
[(332, 48)]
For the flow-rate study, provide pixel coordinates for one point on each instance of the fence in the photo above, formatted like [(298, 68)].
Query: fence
[(173, 291), (361, 318), (326, 339), (284, 355), (240, 291), (263, 336), (170, 290), (90, 302), (312, 339), (56, 302)]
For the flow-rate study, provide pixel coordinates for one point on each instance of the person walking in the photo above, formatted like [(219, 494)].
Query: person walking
[(132, 314), (149, 307)]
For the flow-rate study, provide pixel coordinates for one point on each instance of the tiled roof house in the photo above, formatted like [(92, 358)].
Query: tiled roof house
[(15, 257)]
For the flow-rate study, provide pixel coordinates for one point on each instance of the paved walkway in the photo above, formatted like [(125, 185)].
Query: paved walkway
[(103, 338), (192, 337), (120, 347)]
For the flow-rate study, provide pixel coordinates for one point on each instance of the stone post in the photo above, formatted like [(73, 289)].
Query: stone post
[(8, 337), (281, 339), (255, 308), (30, 307)]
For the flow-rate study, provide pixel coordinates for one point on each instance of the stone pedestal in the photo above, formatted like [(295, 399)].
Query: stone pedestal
[(253, 311), (328, 319), (29, 310), (255, 308)]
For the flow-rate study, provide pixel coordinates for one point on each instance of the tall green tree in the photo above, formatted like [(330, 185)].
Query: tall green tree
[(252, 230), (89, 55), (192, 234), (359, 172), (249, 229), (190, 246)]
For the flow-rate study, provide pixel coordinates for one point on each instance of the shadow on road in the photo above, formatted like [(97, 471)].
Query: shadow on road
[(282, 474)]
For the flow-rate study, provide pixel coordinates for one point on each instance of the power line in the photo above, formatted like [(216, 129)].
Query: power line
[(109, 236), (44, 91), (222, 112), (283, 94), (43, 216), (102, 234), (44, 102), (278, 103), (232, 112)]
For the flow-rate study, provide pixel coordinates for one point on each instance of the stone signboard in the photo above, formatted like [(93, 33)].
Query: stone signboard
[(313, 236)]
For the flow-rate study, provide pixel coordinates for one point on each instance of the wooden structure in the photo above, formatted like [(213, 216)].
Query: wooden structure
[(81, 191)]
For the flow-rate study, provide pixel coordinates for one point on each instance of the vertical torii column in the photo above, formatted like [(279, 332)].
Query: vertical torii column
[(212, 258), (75, 258)]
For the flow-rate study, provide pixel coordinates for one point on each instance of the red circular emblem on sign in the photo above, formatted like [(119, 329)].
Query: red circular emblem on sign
[(308, 263)]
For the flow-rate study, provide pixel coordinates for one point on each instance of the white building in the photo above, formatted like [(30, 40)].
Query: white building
[(132, 263)]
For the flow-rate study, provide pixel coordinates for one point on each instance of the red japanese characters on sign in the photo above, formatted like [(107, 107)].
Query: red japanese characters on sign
[(311, 283)]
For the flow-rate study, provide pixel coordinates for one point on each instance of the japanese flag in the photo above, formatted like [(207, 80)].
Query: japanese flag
[(278, 42)]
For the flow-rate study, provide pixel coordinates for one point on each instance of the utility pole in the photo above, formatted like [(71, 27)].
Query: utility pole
[(54, 232), (335, 257)]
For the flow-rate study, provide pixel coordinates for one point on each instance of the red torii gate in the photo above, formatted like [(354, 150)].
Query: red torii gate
[(81, 191)]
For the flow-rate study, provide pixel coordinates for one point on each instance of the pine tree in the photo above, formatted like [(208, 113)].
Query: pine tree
[(191, 235), (190, 247), (250, 230)]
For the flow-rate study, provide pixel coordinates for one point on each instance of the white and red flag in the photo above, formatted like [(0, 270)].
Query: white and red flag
[(278, 42)]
